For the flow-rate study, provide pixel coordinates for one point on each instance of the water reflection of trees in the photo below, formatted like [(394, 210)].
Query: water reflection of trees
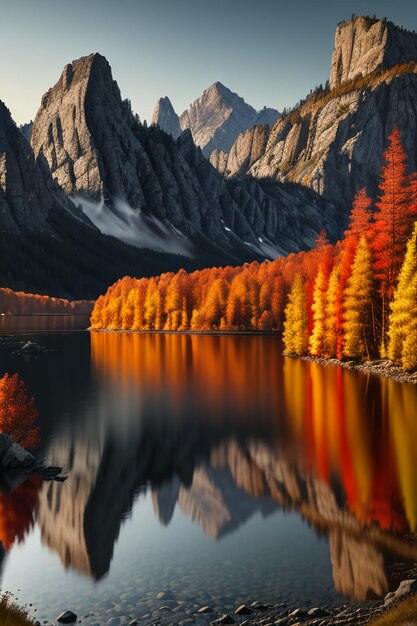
[(222, 429), (361, 432), (17, 511), (18, 491)]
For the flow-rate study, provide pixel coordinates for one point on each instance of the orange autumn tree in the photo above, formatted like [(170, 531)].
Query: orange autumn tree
[(360, 216), (18, 412)]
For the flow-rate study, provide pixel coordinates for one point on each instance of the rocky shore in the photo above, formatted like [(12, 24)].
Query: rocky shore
[(383, 367), (164, 609)]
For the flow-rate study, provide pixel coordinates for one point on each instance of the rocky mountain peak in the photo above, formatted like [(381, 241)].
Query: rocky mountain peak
[(219, 116), (364, 45), (165, 117)]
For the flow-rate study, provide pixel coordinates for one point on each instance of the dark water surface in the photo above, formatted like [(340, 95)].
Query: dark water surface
[(211, 467)]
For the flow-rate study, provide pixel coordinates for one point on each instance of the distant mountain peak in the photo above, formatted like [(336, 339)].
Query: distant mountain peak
[(219, 116), (166, 118)]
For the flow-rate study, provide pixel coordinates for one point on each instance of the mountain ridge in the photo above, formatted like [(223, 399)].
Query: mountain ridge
[(215, 118), (138, 184), (333, 141)]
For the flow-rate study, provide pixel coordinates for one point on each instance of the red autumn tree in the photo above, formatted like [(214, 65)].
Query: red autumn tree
[(393, 218), (18, 412), (360, 216)]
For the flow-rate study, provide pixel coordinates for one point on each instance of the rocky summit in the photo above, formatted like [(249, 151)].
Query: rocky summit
[(165, 117), (334, 140), (218, 116), (141, 186), (364, 45)]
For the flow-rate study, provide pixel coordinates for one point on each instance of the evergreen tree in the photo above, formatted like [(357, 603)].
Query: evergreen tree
[(404, 304), (295, 326), (318, 308), (393, 220), (357, 304), (360, 216), (331, 328)]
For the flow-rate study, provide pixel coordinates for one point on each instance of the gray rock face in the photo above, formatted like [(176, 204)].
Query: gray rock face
[(334, 142), (248, 148), (218, 117), (337, 148), (141, 186), (165, 117), (364, 45), (28, 195)]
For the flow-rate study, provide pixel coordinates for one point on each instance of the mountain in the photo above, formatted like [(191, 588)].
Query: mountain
[(248, 148), (218, 116), (28, 196), (333, 141), (141, 186), (165, 117), (47, 244)]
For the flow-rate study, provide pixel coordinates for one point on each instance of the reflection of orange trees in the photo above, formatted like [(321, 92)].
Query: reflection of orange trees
[(366, 441), (16, 512), (18, 412), (217, 373)]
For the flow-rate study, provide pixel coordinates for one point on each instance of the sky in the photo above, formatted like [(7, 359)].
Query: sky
[(270, 52)]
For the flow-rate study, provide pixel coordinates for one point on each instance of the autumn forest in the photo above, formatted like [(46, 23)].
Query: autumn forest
[(351, 300)]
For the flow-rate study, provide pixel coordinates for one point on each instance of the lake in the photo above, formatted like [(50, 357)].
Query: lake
[(210, 468)]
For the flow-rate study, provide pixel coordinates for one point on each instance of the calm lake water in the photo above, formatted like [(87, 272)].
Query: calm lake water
[(210, 467)]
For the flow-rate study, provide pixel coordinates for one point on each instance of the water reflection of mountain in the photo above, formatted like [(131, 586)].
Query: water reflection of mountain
[(178, 415)]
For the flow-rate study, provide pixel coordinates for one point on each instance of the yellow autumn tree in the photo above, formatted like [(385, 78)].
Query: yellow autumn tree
[(295, 325), (357, 305), (318, 308), (403, 306), (331, 313)]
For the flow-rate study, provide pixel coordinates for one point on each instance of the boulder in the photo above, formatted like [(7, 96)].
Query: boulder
[(68, 617), (16, 457)]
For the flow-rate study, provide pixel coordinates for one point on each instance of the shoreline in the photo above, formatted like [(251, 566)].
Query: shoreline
[(380, 367), (165, 609)]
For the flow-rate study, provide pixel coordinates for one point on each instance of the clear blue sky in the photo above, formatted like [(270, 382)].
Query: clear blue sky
[(271, 52)]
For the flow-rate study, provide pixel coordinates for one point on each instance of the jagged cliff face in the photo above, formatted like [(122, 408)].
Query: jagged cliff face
[(337, 148), (218, 117), (248, 148), (142, 187), (165, 117), (334, 141), (28, 195), (364, 45)]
